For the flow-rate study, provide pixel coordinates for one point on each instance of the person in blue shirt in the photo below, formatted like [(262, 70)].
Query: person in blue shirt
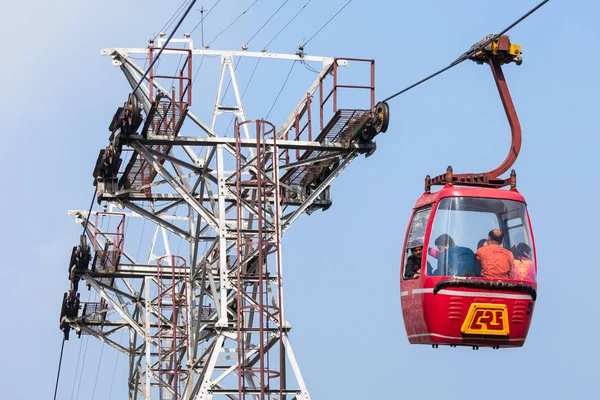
[(454, 260)]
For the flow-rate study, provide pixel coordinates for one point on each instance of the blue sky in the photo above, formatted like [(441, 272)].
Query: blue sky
[(342, 266)]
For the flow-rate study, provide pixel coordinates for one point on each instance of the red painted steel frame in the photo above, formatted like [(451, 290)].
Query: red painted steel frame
[(437, 318), (181, 78), (116, 237), (491, 178), (171, 298), (513, 120), (334, 71), (265, 309), (302, 126)]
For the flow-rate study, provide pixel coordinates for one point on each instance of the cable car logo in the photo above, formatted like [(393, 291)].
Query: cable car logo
[(486, 319)]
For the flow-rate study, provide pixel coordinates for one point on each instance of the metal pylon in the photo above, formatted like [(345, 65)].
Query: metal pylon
[(207, 321)]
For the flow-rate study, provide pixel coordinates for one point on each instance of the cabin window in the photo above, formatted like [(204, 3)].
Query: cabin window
[(414, 243), (461, 226)]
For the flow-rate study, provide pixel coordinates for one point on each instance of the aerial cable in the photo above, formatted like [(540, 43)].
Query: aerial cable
[(266, 22), (280, 90), (170, 21), (527, 14), (164, 45), (137, 58), (112, 381), (229, 83), (208, 45), (97, 372), (326, 23), (204, 16), (87, 338), (244, 92), (308, 67), (76, 369), (466, 55), (231, 24), (137, 256), (175, 222), (62, 347), (286, 25), (198, 69), (251, 76), (87, 218), (200, 66), (82, 365)]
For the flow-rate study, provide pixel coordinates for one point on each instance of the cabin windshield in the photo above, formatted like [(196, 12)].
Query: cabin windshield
[(460, 231)]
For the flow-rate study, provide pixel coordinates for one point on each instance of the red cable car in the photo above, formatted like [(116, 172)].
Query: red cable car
[(468, 272)]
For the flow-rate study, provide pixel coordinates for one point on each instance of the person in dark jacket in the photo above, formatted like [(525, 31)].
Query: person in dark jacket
[(413, 263), (454, 260)]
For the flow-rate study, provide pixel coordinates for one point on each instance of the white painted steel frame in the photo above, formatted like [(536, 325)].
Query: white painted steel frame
[(203, 185)]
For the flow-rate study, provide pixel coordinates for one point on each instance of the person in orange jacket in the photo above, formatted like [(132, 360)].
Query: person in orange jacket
[(496, 261)]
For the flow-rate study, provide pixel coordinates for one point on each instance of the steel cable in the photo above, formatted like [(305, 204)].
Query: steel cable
[(164, 45), (62, 347), (230, 79), (170, 21), (244, 92), (266, 22), (84, 355), (98, 371), (76, 369), (231, 24), (87, 218), (308, 67), (326, 23), (115, 368), (204, 16), (280, 90), (251, 76), (286, 25), (465, 56), (82, 365)]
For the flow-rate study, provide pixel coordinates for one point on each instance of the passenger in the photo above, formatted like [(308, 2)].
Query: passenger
[(524, 269), (480, 244), (454, 260), (434, 253), (496, 262), (413, 264)]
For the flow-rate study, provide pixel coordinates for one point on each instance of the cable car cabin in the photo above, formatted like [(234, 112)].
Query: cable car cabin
[(468, 268), (461, 295)]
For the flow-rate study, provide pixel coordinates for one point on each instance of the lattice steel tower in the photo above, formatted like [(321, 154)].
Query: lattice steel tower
[(208, 322)]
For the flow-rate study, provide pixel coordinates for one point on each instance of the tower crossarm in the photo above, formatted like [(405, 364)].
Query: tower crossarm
[(124, 52)]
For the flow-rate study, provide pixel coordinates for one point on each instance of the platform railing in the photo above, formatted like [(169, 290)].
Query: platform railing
[(333, 93), (184, 76)]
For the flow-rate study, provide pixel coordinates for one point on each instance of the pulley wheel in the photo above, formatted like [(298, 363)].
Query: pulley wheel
[(133, 109), (382, 117)]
